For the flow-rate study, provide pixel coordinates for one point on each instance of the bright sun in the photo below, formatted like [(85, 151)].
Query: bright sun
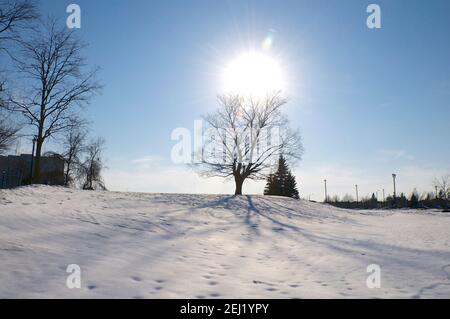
[(253, 74)]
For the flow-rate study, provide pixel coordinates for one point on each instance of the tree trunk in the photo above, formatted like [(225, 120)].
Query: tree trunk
[(239, 181), (37, 163)]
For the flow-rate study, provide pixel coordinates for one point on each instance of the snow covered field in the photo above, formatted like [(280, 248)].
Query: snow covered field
[(135, 245)]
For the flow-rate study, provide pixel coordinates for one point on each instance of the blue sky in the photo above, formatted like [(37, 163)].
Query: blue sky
[(368, 102)]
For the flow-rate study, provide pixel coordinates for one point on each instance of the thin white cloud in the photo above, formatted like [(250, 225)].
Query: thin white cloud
[(149, 159), (387, 156)]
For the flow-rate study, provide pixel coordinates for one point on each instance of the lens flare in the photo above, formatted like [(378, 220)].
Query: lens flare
[(268, 41)]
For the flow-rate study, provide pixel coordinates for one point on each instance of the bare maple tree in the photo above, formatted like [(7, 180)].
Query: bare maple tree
[(245, 137), (57, 84)]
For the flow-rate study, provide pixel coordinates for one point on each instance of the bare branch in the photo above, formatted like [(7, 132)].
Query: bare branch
[(52, 64), (14, 16), (8, 134), (245, 137)]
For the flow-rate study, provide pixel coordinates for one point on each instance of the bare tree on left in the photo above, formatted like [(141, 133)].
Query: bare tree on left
[(57, 84)]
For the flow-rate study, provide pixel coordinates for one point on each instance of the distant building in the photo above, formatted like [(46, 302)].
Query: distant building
[(15, 170)]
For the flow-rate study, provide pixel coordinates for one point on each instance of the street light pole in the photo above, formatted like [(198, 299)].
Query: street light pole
[(326, 196), (32, 159), (393, 178), (356, 186)]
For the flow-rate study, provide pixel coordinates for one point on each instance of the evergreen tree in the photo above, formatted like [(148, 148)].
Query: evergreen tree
[(282, 182), (414, 200), (270, 185), (290, 187)]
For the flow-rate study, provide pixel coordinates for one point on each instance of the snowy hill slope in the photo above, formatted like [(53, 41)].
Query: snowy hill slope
[(136, 245)]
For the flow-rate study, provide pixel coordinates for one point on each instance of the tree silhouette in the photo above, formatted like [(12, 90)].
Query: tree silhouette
[(57, 85), (245, 138)]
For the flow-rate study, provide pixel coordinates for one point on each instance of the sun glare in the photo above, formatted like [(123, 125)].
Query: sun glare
[(252, 74)]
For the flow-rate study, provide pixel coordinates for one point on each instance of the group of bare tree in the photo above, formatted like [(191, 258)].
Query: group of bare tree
[(83, 162), (53, 86)]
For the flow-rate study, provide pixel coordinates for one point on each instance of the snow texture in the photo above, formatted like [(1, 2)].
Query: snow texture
[(136, 245)]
